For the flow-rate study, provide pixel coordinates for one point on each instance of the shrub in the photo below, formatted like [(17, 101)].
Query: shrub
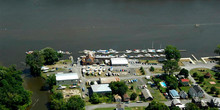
[(151, 68)]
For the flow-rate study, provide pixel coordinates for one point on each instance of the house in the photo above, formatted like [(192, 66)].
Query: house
[(67, 78), (117, 98), (146, 94), (184, 82), (196, 100), (101, 88), (120, 107), (196, 91), (183, 95), (177, 103), (207, 75), (215, 102), (174, 94), (119, 62), (108, 80), (89, 59), (126, 98), (180, 76)]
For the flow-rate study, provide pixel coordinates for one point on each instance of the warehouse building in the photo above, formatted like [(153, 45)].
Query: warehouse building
[(67, 78), (119, 62)]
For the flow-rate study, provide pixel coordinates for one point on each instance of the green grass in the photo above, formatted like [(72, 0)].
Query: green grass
[(135, 89), (126, 108), (206, 85), (185, 88), (157, 70), (156, 94)]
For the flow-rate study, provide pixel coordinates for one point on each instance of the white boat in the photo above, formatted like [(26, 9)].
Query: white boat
[(148, 55), (140, 55), (131, 56), (123, 56), (151, 50), (144, 51), (128, 51), (162, 55), (155, 55), (29, 52), (102, 51), (136, 51), (112, 51), (160, 50)]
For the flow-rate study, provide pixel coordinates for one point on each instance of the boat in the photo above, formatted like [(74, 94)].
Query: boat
[(29, 52), (144, 51), (160, 50), (197, 25), (148, 55), (123, 56), (162, 55), (155, 55), (102, 51), (128, 51), (136, 51), (140, 55), (151, 50), (112, 51)]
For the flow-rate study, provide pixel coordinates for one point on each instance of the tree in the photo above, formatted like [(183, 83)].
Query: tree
[(50, 55), (184, 72), (195, 74), (35, 61), (172, 52), (213, 89), (75, 103), (13, 96), (94, 99), (133, 96), (118, 88), (201, 79), (170, 66), (51, 80), (217, 93), (217, 50), (157, 106), (175, 108), (151, 68), (92, 82), (171, 81), (191, 106)]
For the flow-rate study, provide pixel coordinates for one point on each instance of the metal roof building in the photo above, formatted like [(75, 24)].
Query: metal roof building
[(67, 78), (101, 88), (174, 94), (119, 61), (147, 95)]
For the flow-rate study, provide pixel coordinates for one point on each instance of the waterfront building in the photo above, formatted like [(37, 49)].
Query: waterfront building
[(67, 78), (119, 62)]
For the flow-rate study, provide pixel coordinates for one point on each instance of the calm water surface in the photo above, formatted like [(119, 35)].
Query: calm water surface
[(75, 25)]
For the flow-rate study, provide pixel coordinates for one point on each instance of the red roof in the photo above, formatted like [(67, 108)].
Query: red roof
[(184, 80)]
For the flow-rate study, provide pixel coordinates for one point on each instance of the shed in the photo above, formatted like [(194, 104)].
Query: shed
[(207, 75), (101, 88), (119, 62), (126, 98), (184, 82), (67, 78), (174, 94), (146, 94), (183, 95)]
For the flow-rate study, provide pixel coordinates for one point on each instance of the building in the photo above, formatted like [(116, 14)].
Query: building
[(207, 75), (126, 98), (215, 102), (119, 62), (67, 78), (108, 80), (146, 94), (183, 95), (89, 59), (177, 103), (184, 82), (174, 94), (196, 91), (101, 88), (117, 98)]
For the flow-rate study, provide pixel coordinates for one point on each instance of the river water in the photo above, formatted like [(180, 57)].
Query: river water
[(75, 25)]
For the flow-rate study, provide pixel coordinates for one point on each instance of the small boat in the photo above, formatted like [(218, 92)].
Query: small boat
[(112, 51), (144, 51), (148, 55), (140, 55), (151, 50), (128, 51), (123, 56), (155, 55), (29, 52), (160, 50), (136, 51), (197, 25), (162, 55)]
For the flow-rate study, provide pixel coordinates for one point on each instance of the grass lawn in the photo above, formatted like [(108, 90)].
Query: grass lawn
[(126, 108), (149, 61), (156, 94), (138, 72), (185, 88), (135, 89), (206, 85), (157, 70)]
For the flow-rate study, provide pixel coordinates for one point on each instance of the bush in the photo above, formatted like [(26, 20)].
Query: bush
[(151, 68), (213, 89), (94, 99), (195, 74), (133, 96)]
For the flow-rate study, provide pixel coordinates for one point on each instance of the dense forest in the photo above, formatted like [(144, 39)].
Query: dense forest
[(13, 96)]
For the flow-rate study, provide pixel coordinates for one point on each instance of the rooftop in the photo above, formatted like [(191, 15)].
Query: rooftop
[(118, 61), (101, 88), (66, 76), (184, 80), (174, 93), (146, 93)]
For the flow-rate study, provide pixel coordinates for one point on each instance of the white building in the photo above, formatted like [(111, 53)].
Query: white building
[(215, 102), (101, 88), (67, 78), (119, 62)]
